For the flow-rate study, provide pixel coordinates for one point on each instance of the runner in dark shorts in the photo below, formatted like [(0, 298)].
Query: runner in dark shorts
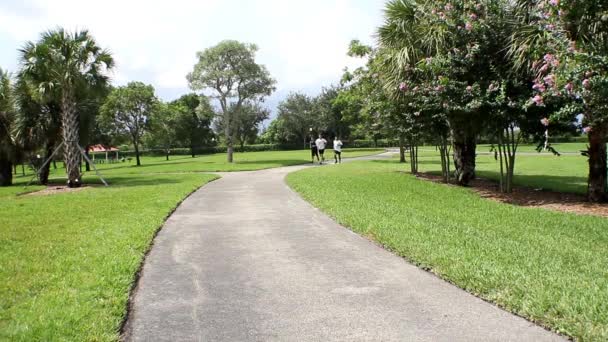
[(321, 144), (314, 152)]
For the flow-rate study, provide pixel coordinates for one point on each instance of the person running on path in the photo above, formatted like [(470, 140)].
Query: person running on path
[(338, 150), (313, 150), (321, 144)]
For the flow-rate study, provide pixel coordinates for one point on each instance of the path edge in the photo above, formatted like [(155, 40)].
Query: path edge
[(426, 269), (124, 330)]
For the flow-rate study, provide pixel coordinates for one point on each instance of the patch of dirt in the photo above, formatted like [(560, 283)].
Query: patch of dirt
[(528, 197), (54, 189)]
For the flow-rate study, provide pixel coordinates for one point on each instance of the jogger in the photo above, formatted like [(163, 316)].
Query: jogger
[(337, 150)]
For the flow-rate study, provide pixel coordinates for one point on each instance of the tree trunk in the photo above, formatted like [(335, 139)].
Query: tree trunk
[(136, 146), (6, 172), (86, 163), (43, 174), (192, 150), (15, 169), (596, 184), (71, 138), (229, 143), (464, 156), (401, 150)]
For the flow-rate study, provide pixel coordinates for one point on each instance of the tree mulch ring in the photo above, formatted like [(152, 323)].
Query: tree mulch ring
[(529, 197), (54, 189)]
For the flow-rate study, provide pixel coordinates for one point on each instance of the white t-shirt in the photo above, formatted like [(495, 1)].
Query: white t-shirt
[(321, 143), (337, 145)]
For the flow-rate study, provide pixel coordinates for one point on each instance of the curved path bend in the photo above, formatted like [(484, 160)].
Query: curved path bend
[(246, 259)]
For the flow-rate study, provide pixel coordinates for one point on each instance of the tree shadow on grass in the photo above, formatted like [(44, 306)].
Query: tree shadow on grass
[(571, 184)]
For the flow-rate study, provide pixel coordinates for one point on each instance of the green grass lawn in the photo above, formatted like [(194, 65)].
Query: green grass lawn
[(68, 260), (566, 173), (547, 266), (247, 161)]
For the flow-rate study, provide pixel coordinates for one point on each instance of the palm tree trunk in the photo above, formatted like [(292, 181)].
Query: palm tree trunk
[(6, 172), (43, 174), (464, 156), (596, 184), (71, 138)]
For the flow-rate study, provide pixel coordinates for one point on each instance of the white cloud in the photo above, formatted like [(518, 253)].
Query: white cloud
[(303, 43)]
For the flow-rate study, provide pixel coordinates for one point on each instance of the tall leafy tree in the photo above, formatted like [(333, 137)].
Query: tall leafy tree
[(193, 121), (230, 71), (298, 116), (57, 66), (127, 111), (248, 122), (8, 145)]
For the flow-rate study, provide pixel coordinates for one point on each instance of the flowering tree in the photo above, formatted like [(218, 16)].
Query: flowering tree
[(451, 43), (565, 42)]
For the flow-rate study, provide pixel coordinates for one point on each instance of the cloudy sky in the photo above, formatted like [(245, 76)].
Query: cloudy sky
[(302, 42)]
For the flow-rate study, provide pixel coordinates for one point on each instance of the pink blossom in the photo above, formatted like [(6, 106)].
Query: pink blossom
[(586, 83), (550, 27), (569, 87), (549, 58), (473, 16), (442, 15), (403, 86), (468, 26), (550, 80), (448, 7), (538, 100), (433, 11), (544, 68), (587, 129), (544, 121), (469, 89), (554, 2), (439, 88), (539, 87)]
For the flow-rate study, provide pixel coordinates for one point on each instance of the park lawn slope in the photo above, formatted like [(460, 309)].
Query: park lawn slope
[(69, 260), (547, 266)]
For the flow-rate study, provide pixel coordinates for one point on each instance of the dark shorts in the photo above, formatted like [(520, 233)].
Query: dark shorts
[(338, 152), (321, 151), (314, 152)]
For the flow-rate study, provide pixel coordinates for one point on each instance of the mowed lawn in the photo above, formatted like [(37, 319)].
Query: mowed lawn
[(547, 266), (566, 173), (246, 161), (69, 260)]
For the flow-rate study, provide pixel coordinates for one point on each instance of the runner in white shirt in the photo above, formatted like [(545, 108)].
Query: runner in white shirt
[(337, 150), (321, 144)]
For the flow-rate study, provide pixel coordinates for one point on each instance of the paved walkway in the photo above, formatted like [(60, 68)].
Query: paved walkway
[(246, 259)]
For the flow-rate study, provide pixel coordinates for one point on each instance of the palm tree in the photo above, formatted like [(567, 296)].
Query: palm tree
[(57, 66), (7, 142)]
